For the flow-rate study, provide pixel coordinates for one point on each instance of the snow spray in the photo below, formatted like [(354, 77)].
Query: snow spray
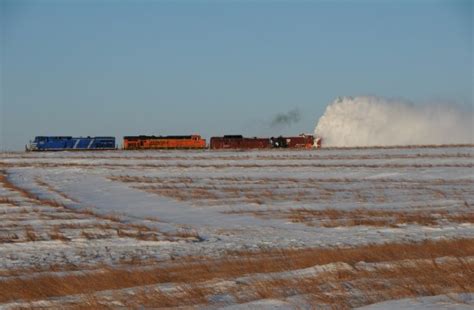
[(375, 121)]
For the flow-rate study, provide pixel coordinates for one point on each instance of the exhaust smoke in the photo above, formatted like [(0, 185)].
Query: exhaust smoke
[(286, 119)]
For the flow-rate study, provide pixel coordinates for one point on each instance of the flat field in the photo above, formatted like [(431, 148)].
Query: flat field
[(328, 228)]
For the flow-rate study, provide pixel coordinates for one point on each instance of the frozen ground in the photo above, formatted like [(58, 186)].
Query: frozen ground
[(445, 302), (87, 209)]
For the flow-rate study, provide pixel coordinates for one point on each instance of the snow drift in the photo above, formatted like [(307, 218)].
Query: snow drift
[(375, 121)]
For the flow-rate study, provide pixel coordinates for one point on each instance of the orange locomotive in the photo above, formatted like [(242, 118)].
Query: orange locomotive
[(163, 142)]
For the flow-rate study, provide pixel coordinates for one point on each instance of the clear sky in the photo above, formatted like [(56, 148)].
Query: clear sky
[(219, 67)]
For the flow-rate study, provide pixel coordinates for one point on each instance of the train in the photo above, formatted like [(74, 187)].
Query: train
[(300, 142), (163, 142), (240, 142), (189, 142), (69, 143)]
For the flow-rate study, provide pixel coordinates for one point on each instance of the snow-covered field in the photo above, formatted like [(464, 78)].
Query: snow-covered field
[(236, 229)]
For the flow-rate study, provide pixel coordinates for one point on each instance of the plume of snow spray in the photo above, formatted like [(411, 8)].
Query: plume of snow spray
[(374, 121)]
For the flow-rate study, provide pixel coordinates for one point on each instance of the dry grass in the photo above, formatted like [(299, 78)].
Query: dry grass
[(338, 290), (264, 190), (30, 234), (145, 235), (53, 203), (184, 295), (234, 165), (9, 238), (41, 182), (195, 270), (261, 155), (186, 234), (92, 235), (310, 182), (348, 289), (9, 201), (193, 194), (56, 234), (106, 226), (360, 216), (6, 183), (295, 154), (10, 186)]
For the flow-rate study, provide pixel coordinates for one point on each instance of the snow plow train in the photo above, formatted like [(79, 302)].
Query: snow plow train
[(184, 142)]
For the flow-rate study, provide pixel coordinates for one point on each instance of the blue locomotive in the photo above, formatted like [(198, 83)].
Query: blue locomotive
[(67, 143)]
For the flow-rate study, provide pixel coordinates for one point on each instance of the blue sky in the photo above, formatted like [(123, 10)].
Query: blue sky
[(219, 67)]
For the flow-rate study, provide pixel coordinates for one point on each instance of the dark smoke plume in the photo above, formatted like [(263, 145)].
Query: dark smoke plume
[(286, 119)]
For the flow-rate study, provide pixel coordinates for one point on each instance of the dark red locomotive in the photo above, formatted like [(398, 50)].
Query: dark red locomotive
[(239, 142), (300, 142)]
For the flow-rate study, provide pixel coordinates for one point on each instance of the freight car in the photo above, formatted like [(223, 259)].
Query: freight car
[(302, 142), (163, 142), (239, 142), (68, 143)]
